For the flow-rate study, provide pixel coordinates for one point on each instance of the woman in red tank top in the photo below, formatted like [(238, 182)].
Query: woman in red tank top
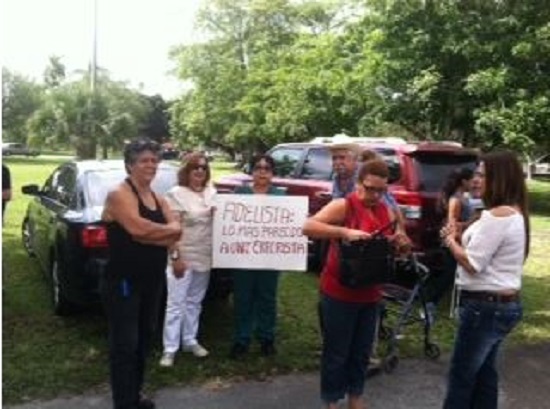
[(349, 315)]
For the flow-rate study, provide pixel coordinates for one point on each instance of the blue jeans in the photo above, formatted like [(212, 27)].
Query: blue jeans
[(348, 332), (473, 377)]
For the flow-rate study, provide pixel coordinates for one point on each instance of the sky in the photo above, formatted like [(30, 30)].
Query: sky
[(134, 38)]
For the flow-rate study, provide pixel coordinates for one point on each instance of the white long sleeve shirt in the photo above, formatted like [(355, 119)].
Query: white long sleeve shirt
[(495, 247)]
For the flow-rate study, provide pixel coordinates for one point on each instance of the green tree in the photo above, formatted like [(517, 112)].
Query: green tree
[(21, 97), (54, 74), (469, 71), (239, 32), (72, 114), (156, 124)]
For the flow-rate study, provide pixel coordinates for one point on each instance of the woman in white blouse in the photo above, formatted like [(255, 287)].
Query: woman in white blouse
[(490, 265), (188, 272)]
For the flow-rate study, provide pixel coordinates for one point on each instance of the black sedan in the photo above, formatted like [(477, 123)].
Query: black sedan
[(63, 230)]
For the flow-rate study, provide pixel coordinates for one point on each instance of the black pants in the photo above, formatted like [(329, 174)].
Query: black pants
[(441, 282), (132, 313)]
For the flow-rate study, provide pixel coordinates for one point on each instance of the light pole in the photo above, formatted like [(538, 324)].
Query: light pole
[(91, 145), (93, 64)]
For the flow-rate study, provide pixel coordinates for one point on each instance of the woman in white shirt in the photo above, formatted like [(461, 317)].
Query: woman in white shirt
[(490, 265), (188, 272)]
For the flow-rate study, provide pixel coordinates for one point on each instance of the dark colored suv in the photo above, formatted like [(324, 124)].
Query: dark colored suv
[(417, 173)]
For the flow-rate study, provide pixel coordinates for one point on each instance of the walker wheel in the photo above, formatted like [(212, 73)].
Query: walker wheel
[(432, 350), (390, 363)]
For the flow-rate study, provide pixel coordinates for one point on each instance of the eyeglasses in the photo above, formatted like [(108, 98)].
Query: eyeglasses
[(372, 189), (201, 167), (260, 167)]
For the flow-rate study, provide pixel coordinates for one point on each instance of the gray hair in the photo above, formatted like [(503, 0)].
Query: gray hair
[(136, 147)]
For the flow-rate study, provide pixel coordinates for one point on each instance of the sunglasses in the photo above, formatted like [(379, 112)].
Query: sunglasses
[(260, 167), (372, 189), (201, 167)]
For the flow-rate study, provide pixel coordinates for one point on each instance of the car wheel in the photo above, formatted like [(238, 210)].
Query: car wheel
[(60, 305), (26, 237)]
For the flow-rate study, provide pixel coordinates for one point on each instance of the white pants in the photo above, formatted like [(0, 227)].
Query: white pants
[(183, 308)]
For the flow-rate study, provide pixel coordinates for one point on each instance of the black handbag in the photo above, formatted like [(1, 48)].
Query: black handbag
[(364, 263)]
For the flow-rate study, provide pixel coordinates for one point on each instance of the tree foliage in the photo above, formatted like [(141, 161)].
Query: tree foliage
[(68, 112), (272, 71), (21, 97)]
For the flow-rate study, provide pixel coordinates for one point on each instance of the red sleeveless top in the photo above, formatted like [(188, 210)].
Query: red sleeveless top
[(362, 218)]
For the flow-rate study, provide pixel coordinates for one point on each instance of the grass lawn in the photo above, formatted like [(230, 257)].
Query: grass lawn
[(45, 356)]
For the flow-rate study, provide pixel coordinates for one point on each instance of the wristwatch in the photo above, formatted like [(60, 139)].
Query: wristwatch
[(174, 255)]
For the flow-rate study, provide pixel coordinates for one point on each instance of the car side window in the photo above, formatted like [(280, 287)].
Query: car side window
[(392, 160), (48, 189), (286, 160), (64, 188), (318, 165)]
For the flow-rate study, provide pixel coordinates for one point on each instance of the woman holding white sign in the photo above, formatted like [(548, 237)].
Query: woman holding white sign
[(349, 305), (255, 291), (188, 273)]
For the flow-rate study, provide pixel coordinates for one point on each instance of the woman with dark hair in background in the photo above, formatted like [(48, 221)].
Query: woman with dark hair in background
[(455, 206), (255, 291), (140, 228), (490, 258), (188, 273), (453, 200)]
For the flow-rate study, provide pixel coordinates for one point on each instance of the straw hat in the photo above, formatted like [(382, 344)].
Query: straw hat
[(351, 147)]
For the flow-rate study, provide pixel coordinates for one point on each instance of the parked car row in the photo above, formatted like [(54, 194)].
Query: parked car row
[(62, 227)]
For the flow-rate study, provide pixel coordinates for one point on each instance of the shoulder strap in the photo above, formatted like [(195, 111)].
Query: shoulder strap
[(140, 202), (131, 184), (157, 203)]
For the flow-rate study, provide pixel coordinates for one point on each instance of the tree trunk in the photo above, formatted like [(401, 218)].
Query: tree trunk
[(85, 148)]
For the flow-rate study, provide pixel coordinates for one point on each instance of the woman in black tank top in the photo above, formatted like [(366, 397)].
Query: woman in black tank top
[(140, 229)]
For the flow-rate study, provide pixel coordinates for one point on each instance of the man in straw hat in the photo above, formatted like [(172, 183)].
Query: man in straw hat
[(344, 165)]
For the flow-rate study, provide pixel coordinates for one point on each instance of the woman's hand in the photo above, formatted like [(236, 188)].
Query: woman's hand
[(401, 242), (178, 267), (449, 232), (354, 235)]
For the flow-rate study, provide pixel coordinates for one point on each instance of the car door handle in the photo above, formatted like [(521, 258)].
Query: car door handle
[(323, 195)]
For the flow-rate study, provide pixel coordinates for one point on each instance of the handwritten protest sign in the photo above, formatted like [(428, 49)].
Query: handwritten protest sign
[(260, 232)]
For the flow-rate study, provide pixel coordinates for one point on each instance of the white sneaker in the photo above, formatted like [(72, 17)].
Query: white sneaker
[(198, 350), (167, 359)]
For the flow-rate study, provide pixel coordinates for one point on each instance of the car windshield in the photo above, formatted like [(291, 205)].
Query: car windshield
[(434, 169), (98, 183)]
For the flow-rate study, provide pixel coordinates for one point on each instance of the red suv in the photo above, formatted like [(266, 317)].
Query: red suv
[(417, 173)]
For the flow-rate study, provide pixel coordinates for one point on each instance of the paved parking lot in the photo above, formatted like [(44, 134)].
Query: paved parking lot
[(416, 384)]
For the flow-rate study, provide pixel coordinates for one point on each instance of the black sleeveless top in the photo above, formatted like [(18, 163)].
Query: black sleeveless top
[(131, 260)]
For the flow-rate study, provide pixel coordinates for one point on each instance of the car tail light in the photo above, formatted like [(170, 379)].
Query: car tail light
[(94, 237), (410, 204)]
